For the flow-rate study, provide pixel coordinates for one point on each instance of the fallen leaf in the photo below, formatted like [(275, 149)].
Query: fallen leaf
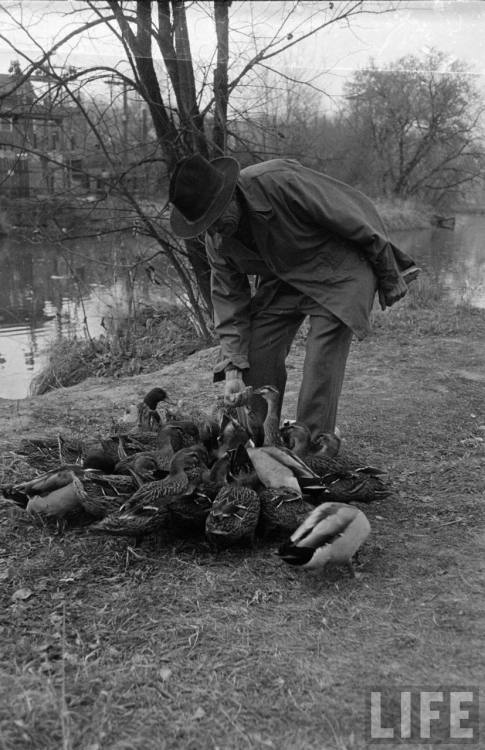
[(165, 673), (199, 713)]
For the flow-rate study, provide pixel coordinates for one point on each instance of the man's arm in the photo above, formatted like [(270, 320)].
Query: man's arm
[(231, 298)]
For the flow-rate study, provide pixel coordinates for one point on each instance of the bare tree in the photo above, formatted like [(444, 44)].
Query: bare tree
[(420, 124)]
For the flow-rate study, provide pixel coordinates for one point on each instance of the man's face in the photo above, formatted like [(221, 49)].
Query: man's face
[(227, 223)]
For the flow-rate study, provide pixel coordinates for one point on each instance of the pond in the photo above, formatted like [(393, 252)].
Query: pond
[(49, 291)]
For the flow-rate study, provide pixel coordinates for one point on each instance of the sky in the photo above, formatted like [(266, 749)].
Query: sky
[(456, 27)]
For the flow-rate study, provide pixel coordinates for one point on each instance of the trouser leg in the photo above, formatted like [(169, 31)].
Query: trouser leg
[(327, 349), (275, 322)]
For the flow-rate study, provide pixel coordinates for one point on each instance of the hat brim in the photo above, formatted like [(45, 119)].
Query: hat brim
[(229, 168)]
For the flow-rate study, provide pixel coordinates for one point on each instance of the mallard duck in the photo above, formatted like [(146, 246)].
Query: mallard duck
[(233, 517), (101, 494), (148, 508), (282, 511), (48, 482), (46, 453), (331, 533), (340, 480), (241, 469), (271, 425), (358, 486), (273, 440), (206, 424), (182, 434), (148, 465), (297, 437), (56, 478), (232, 434), (169, 439), (144, 416), (61, 504), (188, 512), (186, 469), (328, 443), (271, 472)]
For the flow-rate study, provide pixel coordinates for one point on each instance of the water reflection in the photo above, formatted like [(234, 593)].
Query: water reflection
[(453, 261), (50, 291)]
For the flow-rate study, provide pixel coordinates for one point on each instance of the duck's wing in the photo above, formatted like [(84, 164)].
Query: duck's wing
[(51, 480), (288, 458), (271, 471), (326, 522)]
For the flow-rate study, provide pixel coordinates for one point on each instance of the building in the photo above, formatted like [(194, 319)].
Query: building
[(38, 150)]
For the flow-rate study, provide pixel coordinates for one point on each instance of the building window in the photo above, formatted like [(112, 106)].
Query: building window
[(6, 123)]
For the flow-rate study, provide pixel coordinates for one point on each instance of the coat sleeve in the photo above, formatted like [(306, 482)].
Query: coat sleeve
[(231, 299), (349, 213)]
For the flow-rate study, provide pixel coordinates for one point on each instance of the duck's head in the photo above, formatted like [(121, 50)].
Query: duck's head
[(153, 397), (232, 433), (269, 392), (296, 436), (328, 443), (190, 458)]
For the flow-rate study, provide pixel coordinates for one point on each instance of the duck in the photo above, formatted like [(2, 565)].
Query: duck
[(188, 512), (241, 470), (273, 442), (272, 472), (152, 463), (147, 509), (205, 424), (56, 479), (186, 469), (144, 417), (328, 443), (282, 511), (61, 504), (339, 480), (331, 533), (231, 435), (102, 494), (182, 434), (233, 517), (297, 437), (47, 453), (271, 424), (364, 485)]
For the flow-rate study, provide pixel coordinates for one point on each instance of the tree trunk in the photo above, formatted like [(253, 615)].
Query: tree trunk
[(221, 92)]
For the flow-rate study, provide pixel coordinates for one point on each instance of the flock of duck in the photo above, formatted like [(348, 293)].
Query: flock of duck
[(226, 476)]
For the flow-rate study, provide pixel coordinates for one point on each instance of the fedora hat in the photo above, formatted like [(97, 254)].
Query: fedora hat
[(199, 192)]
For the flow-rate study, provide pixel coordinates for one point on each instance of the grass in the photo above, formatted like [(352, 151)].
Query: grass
[(143, 343), (177, 647)]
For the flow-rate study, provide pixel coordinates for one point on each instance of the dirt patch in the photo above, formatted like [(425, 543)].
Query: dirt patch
[(177, 647)]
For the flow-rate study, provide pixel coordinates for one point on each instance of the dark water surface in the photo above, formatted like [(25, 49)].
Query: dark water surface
[(47, 291)]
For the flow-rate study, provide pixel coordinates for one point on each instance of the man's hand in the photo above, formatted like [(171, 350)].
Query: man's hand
[(233, 386), (387, 299)]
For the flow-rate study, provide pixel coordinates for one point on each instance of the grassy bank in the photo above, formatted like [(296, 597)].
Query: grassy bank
[(178, 647), (148, 341)]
